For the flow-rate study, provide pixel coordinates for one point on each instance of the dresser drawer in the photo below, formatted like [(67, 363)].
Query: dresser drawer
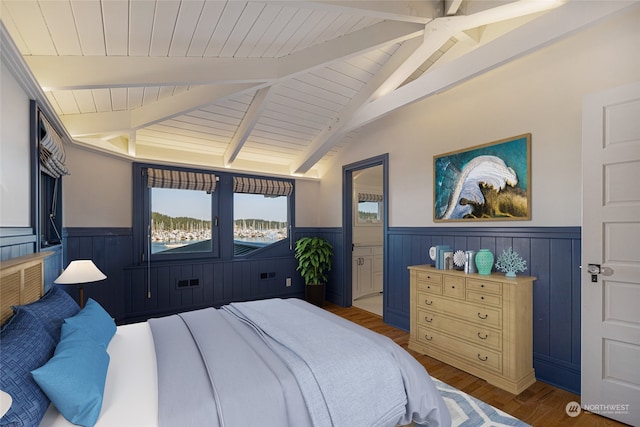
[(434, 288), (482, 286), (485, 298), (454, 287), (423, 276), (471, 332), (477, 355), (486, 316)]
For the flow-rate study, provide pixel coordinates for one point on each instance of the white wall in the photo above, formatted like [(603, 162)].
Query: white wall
[(15, 184), (540, 93), (307, 208), (98, 193)]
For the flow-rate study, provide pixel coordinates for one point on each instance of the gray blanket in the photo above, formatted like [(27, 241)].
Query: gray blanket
[(247, 365)]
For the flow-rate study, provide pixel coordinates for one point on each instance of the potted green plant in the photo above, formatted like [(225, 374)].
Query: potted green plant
[(314, 255)]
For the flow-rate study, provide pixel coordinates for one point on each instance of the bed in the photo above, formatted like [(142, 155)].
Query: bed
[(270, 362)]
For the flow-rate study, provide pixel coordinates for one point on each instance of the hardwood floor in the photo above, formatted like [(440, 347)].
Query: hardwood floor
[(540, 405)]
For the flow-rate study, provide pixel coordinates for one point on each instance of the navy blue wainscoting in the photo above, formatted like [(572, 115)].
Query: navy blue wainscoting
[(181, 286), (552, 255), (111, 250), (16, 241), (136, 291)]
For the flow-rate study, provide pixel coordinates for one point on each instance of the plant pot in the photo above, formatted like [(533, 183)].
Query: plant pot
[(315, 294), (484, 261)]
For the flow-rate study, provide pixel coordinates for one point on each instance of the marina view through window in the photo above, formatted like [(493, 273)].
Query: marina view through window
[(180, 221), (258, 221)]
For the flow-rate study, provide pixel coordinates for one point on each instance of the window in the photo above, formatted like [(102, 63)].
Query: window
[(180, 221), (258, 221), (370, 208), (369, 212), (176, 209), (48, 168), (260, 213), (182, 213)]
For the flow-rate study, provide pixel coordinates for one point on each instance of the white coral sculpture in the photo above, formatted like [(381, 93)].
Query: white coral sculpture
[(458, 259), (510, 263)]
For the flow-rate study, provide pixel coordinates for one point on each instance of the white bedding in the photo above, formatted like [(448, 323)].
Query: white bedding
[(131, 386), (131, 391)]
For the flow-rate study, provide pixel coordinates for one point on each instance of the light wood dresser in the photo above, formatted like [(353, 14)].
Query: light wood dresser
[(482, 324)]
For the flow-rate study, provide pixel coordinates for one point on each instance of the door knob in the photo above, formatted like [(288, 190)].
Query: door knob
[(593, 270)]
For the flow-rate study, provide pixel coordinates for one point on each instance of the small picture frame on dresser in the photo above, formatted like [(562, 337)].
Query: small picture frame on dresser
[(448, 260)]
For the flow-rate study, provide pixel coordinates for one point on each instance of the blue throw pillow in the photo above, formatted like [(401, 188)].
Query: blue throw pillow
[(74, 377), (95, 321), (25, 346), (54, 306)]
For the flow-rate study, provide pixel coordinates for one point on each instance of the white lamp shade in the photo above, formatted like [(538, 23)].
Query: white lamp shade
[(5, 402), (80, 271)]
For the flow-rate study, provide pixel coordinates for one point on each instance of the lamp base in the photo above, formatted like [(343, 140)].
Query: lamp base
[(81, 288)]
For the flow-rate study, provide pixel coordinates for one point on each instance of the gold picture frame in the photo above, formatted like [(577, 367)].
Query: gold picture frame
[(488, 182)]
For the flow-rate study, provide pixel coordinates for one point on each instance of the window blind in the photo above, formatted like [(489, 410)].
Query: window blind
[(52, 155), (268, 187), (183, 180), (370, 197)]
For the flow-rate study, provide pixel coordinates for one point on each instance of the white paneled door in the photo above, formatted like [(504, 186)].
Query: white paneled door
[(611, 254)]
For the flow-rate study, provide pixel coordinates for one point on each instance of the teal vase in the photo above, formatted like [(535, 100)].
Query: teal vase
[(484, 261)]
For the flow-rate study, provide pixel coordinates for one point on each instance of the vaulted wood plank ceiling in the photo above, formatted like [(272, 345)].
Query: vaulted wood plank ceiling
[(275, 87)]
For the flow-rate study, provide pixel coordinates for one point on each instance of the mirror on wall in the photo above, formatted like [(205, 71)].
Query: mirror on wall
[(368, 196)]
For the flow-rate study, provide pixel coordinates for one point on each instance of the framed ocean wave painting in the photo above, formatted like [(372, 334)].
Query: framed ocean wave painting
[(488, 182)]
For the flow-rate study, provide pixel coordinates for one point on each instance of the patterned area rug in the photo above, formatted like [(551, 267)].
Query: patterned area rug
[(467, 411)]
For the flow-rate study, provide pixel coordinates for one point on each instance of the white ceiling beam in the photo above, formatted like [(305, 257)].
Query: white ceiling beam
[(86, 124), (451, 7), (246, 125), (532, 36), (471, 7), (124, 121), (348, 46), (333, 133), (131, 144), (94, 72), (167, 108), (514, 9), (436, 34), (419, 12), (440, 30)]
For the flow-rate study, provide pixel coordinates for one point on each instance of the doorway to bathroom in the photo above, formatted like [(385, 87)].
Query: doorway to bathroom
[(365, 224)]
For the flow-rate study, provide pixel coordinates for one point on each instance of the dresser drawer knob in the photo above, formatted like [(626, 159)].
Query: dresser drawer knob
[(428, 287), (483, 359), (453, 287), (426, 319), (430, 302), (483, 337), (485, 316), (428, 338), (481, 297)]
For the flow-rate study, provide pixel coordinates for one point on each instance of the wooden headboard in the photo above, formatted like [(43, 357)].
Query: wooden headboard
[(21, 282)]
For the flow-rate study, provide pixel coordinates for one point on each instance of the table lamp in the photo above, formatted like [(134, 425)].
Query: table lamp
[(79, 272), (5, 402)]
